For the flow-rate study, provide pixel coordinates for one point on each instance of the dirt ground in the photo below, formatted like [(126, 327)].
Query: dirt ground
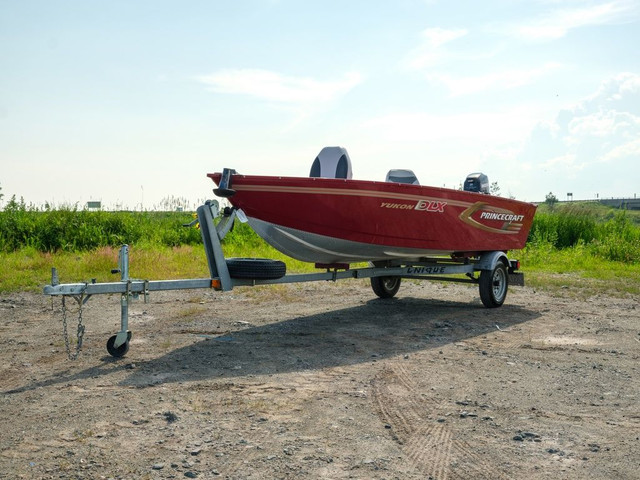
[(324, 380)]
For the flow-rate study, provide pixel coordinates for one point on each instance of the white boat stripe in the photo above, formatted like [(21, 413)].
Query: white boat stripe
[(348, 192)]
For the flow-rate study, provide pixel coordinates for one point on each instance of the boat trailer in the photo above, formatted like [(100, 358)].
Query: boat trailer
[(496, 273)]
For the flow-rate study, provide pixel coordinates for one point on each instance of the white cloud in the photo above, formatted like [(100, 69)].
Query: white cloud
[(442, 148), (496, 80), (603, 124), (479, 128), (629, 84), (591, 147), (619, 92), (564, 161), (629, 150), (557, 23), (275, 87), (437, 37), (431, 51)]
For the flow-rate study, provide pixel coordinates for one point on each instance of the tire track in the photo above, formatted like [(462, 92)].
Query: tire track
[(431, 448), (404, 378), (427, 446), (396, 403), (471, 465), (429, 451)]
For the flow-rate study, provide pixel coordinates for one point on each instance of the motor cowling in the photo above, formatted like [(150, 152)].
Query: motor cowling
[(477, 182)]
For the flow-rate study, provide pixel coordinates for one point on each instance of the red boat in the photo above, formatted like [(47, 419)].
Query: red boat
[(329, 219), (341, 220)]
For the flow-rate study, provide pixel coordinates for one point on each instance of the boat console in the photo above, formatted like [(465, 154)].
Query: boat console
[(402, 176)]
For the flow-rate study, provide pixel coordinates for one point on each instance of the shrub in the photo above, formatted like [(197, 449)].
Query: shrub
[(616, 238), (70, 229)]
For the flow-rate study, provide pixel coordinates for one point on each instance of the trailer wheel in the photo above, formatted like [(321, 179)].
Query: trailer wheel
[(493, 286), (256, 268), (385, 287), (122, 350)]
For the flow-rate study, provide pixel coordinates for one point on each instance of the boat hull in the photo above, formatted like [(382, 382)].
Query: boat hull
[(345, 221), (311, 247)]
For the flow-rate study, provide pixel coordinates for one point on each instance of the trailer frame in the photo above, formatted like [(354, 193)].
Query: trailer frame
[(496, 273)]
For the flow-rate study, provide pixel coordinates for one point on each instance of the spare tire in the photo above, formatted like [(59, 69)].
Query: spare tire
[(256, 268)]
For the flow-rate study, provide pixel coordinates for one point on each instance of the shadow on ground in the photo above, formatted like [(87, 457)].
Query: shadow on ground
[(376, 330)]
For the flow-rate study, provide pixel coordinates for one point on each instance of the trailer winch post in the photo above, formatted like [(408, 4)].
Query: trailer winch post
[(211, 237)]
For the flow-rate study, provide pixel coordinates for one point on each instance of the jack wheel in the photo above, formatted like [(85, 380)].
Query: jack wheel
[(385, 287), (122, 350)]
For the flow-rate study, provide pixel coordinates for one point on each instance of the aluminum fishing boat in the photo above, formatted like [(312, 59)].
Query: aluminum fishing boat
[(402, 229), (330, 218)]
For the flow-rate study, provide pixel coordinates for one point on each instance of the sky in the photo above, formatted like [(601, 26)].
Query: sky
[(133, 102)]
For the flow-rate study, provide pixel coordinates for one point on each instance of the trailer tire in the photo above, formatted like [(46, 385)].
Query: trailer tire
[(256, 268), (385, 287), (494, 285)]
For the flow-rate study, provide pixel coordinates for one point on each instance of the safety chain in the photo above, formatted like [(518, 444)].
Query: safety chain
[(80, 332)]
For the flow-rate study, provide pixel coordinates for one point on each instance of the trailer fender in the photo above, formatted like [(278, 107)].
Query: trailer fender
[(489, 260)]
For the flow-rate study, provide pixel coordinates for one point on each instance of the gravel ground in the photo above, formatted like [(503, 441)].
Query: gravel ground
[(324, 380)]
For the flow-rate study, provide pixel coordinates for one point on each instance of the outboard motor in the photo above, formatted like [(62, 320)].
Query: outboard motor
[(477, 182)]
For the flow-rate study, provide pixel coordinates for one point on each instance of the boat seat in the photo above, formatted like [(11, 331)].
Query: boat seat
[(402, 176), (332, 162)]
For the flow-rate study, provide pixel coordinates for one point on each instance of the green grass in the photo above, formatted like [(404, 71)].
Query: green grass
[(28, 269), (597, 211), (581, 249), (573, 270), (576, 271)]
